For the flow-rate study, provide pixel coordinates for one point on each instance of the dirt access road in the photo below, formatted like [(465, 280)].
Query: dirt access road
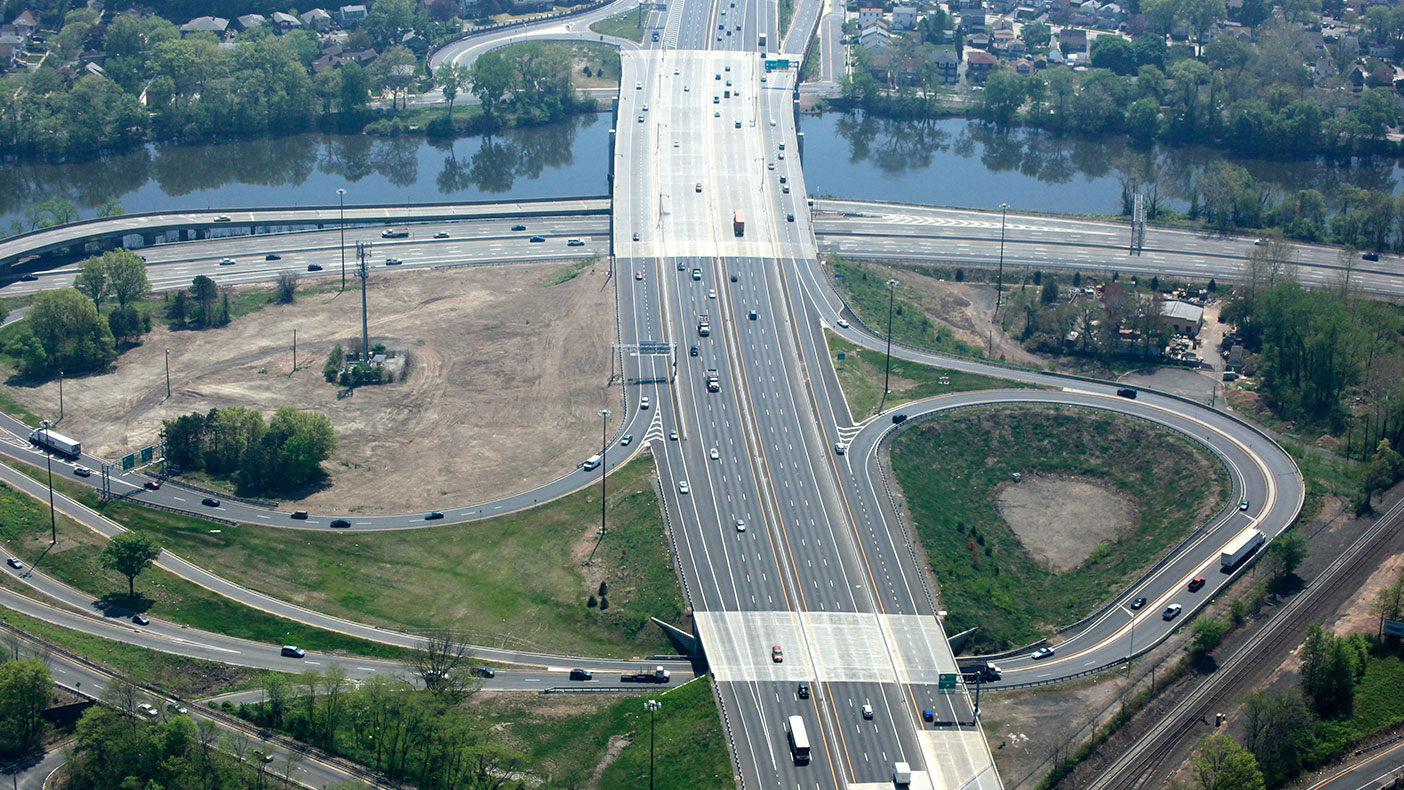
[(507, 374)]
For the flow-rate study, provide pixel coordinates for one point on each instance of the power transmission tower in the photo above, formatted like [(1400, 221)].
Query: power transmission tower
[(363, 249)]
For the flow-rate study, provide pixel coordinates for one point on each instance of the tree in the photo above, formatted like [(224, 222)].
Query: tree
[(1285, 555), (1330, 668), (126, 275), (1279, 731), (295, 445), (355, 87), (1037, 33), (1049, 295), (1115, 53), (441, 664), (129, 553), (74, 337), (1389, 603), (204, 291), (387, 20), (332, 367), (1003, 94), (1221, 764), (452, 78), (184, 438), (91, 280), (24, 694), (491, 76), (395, 71), (286, 287), (1208, 632)]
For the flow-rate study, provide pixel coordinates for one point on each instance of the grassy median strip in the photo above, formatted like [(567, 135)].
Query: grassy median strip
[(24, 528), (860, 372), (517, 580), (951, 468), (626, 25)]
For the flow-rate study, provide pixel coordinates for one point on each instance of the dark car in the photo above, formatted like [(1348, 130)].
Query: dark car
[(518, 227), (272, 256), (433, 516), (314, 267), (1127, 392), (1196, 584), (898, 419), (803, 691), (484, 672), (300, 515), (1138, 603), (1371, 256), (537, 239), (636, 237), (340, 523), (443, 234), (581, 674), (293, 651), (692, 352), (29, 277), (928, 714), (733, 276), (751, 315), (140, 619), (152, 485), (210, 501), (789, 217)]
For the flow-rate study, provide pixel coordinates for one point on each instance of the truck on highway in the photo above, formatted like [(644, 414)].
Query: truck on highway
[(658, 675), (395, 233), (593, 462), (713, 381), (1239, 549), (57, 442), (738, 222), (799, 739), (704, 327), (762, 41), (979, 669), (901, 774)]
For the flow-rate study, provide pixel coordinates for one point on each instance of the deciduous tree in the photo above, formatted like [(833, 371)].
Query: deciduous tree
[(129, 553)]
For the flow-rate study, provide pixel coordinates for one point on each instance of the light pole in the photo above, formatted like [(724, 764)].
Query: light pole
[(999, 283), (605, 414), (60, 395), (887, 369), (168, 374), (341, 198), (49, 463), (652, 705)]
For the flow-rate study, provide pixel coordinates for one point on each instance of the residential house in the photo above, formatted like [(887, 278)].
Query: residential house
[(11, 49), (904, 17), (26, 23), (248, 21), (351, 15), (999, 40), (1071, 39), (1109, 16), (875, 37), (972, 20), (1016, 48), (284, 22), (910, 71), (1086, 13), (1023, 67), (206, 24), (868, 14), (978, 65), (316, 20), (947, 65), (1003, 6), (978, 41), (1182, 318), (879, 65), (415, 43), (1027, 13)]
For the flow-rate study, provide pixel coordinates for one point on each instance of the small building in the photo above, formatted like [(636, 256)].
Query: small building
[(284, 22), (351, 15), (904, 17), (868, 14), (1071, 39), (875, 37), (1182, 318), (11, 49), (249, 21), (26, 23), (316, 20), (979, 64), (206, 24)]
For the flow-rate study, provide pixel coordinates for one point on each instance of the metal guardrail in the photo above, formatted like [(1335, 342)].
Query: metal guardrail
[(467, 34), (592, 689), (175, 481)]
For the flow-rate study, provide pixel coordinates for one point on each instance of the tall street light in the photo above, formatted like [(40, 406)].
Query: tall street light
[(341, 198), (999, 286), (887, 370), (168, 374), (49, 462), (652, 705), (605, 414)]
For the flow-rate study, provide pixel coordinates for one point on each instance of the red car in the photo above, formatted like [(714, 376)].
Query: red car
[(153, 485), (776, 654), (1196, 583), (638, 275)]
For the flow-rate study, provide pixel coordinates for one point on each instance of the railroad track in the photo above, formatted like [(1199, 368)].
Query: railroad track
[(1140, 762)]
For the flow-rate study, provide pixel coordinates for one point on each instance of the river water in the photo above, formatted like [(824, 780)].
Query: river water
[(950, 163)]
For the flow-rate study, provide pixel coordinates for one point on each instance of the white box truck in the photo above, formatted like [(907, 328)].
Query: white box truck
[(901, 774), (1240, 547), (57, 442)]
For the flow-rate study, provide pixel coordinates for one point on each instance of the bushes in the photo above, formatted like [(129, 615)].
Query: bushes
[(284, 454)]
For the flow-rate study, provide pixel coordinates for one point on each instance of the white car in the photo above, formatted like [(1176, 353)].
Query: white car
[(1041, 653), (867, 711), (14, 562), (713, 454), (175, 707), (638, 86), (772, 121), (643, 402), (226, 261), (843, 323), (740, 525), (682, 487), (147, 709), (82, 471), (712, 294)]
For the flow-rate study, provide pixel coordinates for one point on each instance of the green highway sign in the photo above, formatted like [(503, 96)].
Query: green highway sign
[(777, 63), (128, 461), (147, 453), (946, 681)]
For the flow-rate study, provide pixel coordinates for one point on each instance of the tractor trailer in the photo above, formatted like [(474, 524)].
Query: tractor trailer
[(658, 675), (395, 233), (1239, 549), (738, 222), (57, 442)]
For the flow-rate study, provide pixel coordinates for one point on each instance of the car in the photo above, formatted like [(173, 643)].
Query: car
[(626, 440), (898, 419), (433, 515), (772, 121), (716, 113), (645, 108), (713, 454), (751, 315), (176, 707), (1370, 256), (675, 72), (802, 691), (718, 76), (638, 86), (692, 352), (1126, 392), (638, 275), (140, 619), (147, 709), (1243, 504), (740, 525), (640, 119), (300, 515), (840, 448), (262, 756), (443, 234), (226, 261), (780, 155), (643, 402), (776, 654), (843, 323), (152, 485), (210, 501), (484, 672), (29, 277), (733, 276), (1138, 603), (581, 674), (672, 436), (675, 143), (682, 266), (393, 261), (763, 79), (786, 190), (222, 218), (636, 236), (272, 256), (1041, 653), (518, 227), (314, 267), (928, 714), (82, 471), (782, 146), (711, 293), (696, 274), (293, 651), (728, 83), (340, 523), (784, 180), (682, 487), (769, 165), (537, 239), (1257, 242), (738, 124), (575, 242), (1196, 584), (1171, 612), (867, 711), (14, 562), (699, 187)]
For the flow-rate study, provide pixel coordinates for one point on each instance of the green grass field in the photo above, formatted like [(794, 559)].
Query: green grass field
[(987, 580), (867, 294), (861, 374), (601, 59), (516, 579), (625, 25)]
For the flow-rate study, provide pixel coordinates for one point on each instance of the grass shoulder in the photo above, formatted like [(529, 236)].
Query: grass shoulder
[(860, 372), (868, 295), (1162, 485), (627, 25), (517, 579)]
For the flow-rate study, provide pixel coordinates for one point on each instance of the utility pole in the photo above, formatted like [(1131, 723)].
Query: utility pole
[(887, 370), (652, 705), (605, 414), (60, 396), (363, 271), (999, 285), (168, 374), (341, 197), (294, 349)]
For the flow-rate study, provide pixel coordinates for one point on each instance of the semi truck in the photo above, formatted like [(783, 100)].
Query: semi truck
[(979, 669), (738, 222), (57, 442), (395, 233), (713, 381), (1239, 549), (704, 327), (658, 675)]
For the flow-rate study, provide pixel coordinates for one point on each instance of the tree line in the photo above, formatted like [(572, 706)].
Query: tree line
[(234, 442)]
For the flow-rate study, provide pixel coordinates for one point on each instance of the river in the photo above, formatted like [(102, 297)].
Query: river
[(950, 163)]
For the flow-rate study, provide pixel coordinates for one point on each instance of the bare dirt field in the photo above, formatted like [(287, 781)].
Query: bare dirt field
[(507, 375), (1059, 520)]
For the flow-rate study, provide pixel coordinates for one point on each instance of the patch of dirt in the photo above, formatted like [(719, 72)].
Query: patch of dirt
[(612, 752), (1354, 616), (506, 377), (1060, 519)]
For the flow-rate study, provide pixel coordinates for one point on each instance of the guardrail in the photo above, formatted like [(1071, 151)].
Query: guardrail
[(511, 23), (268, 503), (592, 689)]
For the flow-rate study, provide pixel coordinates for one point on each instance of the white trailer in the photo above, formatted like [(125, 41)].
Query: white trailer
[(57, 442), (1240, 547)]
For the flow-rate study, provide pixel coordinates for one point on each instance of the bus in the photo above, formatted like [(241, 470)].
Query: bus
[(799, 740)]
